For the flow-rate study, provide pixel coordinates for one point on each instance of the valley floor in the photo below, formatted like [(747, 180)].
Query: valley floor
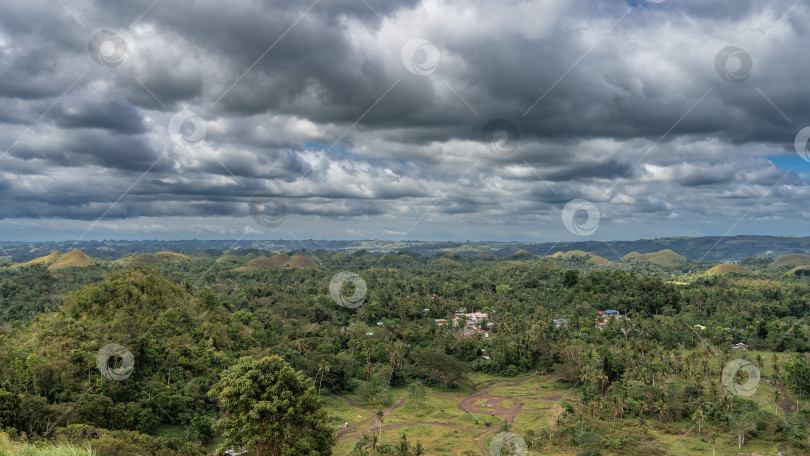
[(464, 422)]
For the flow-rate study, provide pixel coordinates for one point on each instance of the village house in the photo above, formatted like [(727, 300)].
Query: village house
[(560, 322), (472, 319)]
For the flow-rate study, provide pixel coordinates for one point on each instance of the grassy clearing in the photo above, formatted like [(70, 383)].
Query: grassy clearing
[(341, 412), (9, 448), (441, 406)]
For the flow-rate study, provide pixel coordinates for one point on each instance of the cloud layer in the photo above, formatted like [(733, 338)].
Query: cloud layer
[(369, 118)]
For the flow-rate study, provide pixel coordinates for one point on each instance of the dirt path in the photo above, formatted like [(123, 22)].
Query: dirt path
[(343, 433), (466, 404), (786, 405)]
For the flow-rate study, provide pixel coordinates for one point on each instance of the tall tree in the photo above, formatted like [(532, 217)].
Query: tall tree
[(380, 417), (777, 398), (417, 393), (271, 409)]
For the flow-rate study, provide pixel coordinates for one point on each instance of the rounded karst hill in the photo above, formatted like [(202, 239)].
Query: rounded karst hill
[(175, 255), (800, 271), (261, 262), (280, 260), (50, 258), (729, 268), (144, 259), (485, 255), (663, 258), (447, 262), (72, 259), (631, 256), (256, 264), (339, 256), (599, 261), (522, 254), (300, 261), (791, 261), (592, 257)]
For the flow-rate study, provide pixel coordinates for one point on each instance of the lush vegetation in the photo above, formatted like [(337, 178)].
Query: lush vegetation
[(241, 352)]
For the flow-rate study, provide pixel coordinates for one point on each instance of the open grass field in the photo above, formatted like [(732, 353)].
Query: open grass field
[(464, 421)]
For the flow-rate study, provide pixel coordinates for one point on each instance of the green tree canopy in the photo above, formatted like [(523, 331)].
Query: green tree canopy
[(271, 409)]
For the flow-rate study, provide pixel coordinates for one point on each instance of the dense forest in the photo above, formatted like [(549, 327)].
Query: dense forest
[(169, 354)]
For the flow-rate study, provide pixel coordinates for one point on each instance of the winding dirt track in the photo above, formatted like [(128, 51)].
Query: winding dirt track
[(786, 405), (479, 392)]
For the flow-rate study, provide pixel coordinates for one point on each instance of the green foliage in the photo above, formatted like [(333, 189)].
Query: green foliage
[(272, 409), (659, 364)]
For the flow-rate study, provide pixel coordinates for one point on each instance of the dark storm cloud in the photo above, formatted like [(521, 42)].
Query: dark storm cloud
[(111, 115), (618, 103)]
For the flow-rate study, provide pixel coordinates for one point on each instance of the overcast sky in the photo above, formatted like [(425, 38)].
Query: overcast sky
[(370, 119)]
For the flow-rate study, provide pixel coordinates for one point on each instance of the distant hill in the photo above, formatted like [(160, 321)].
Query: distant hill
[(799, 271), (144, 259), (665, 257), (791, 261), (448, 262), (592, 258), (522, 254), (256, 264), (175, 255), (282, 260), (729, 268), (53, 256), (300, 261), (714, 249), (485, 255), (72, 259)]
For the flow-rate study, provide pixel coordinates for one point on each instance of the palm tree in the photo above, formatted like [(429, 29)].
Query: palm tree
[(713, 439), (699, 417), (662, 408), (374, 442), (404, 448), (323, 368), (418, 450), (380, 417), (396, 354), (777, 398)]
